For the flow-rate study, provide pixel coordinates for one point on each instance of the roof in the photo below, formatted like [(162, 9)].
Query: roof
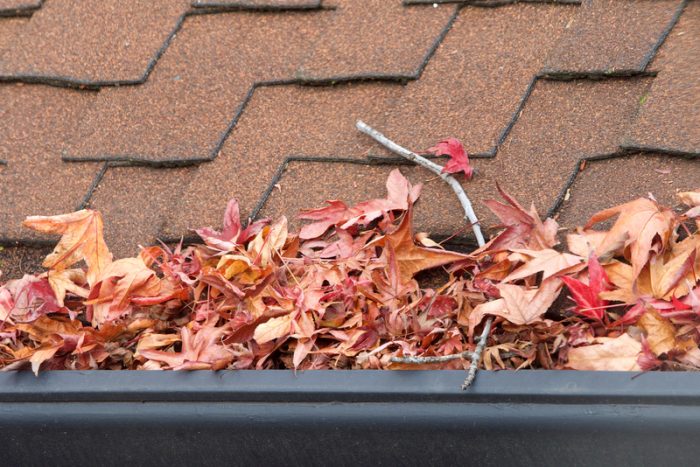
[(157, 112)]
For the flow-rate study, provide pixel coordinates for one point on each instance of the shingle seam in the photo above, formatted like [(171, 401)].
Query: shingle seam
[(622, 152), (488, 4), (188, 161), (386, 77), (93, 186), (224, 7), (671, 24), (22, 10), (87, 84)]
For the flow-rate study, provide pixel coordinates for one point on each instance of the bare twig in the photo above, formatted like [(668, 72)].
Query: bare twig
[(433, 167), (471, 374), (469, 214), (425, 360)]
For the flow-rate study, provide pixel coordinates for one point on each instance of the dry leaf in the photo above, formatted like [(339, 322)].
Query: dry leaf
[(82, 239), (607, 354)]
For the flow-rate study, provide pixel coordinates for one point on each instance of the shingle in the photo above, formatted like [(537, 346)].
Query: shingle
[(16, 261), (477, 78), (562, 123), (607, 183), (437, 210), (612, 36), (134, 202), (35, 180), (279, 122), (19, 7), (258, 4), (91, 40), (375, 38), (669, 119), (192, 97)]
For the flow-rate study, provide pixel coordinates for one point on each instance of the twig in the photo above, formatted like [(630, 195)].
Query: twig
[(477, 354), (424, 360), (469, 214)]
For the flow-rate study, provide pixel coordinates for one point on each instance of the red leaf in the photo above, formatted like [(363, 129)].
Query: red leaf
[(459, 159), (26, 299), (586, 296)]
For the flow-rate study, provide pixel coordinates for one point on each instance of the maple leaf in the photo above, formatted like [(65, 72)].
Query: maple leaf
[(200, 351), (459, 159), (587, 296), (400, 194), (661, 333), (81, 239), (642, 225), (273, 328), (67, 280), (120, 283), (523, 229), (412, 258), (607, 354), (549, 262), (519, 305), (26, 299), (232, 234)]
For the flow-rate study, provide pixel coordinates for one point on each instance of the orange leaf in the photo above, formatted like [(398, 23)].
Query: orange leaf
[(82, 239), (412, 258), (639, 224)]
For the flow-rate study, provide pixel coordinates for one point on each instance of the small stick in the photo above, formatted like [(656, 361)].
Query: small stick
[(424, 360), (469, 214), (477, 354)]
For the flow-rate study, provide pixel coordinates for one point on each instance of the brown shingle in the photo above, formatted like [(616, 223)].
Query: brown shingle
[(19, 7), (37, 119), (190, 100), (279, 122), (478, 76), (16, 261), (607, 183), (91, 40), (258, 4), (669, 120), (437, 211), (609, 36), (134, 202), (562, 123), (375, 38)]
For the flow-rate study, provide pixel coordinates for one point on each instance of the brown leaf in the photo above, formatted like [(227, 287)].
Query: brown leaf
[(661, 333), (82, 239), (607, 354), (412, 258), (518, 304)]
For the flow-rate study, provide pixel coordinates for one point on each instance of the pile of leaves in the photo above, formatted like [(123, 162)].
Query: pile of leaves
[(347, 291)]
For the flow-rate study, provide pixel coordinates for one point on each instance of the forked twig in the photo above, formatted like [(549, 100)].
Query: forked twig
[(470, 215)]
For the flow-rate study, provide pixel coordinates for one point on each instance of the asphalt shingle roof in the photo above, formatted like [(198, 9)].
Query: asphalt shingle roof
[(157, 112)]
